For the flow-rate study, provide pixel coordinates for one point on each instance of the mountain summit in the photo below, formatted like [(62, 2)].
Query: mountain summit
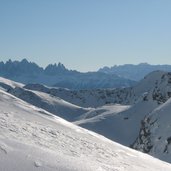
[(54, 69)]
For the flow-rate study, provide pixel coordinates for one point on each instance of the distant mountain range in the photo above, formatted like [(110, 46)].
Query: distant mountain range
[(134, 72), (59, 76)]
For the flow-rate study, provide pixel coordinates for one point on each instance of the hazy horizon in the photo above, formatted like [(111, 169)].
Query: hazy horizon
[(19, 60)]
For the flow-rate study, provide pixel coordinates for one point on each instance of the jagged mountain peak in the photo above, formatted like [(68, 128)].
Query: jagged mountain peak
[(58, 75), (24, 60), (12, 69), (61, 65), (54, 69), (57, 66)]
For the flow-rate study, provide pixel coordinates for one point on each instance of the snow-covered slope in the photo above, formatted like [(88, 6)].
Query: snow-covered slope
[(84, 98), (100, 97), (33, 139), (124, 126), (110, 120), (154, 137), (45, 101), (117, 122), (89, 98), (13, 84), (155, 134), (118, 114), (50, 103), (7, 85)]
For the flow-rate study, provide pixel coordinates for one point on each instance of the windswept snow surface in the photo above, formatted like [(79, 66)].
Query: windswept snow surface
[(33, 139), (43, 100), (7, 85), (117, 122), (13, 84), (50, 103)]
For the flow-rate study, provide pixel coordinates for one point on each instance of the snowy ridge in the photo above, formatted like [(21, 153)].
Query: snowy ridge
[(13, 84), (50, 103), (84, 98), (100, 97), (155, 137), (33, 139), (45, 101)]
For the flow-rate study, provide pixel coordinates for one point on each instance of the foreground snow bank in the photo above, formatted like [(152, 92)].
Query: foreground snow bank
[(33, 139)]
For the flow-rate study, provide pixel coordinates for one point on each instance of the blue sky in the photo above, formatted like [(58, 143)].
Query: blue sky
[(86, 34)]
